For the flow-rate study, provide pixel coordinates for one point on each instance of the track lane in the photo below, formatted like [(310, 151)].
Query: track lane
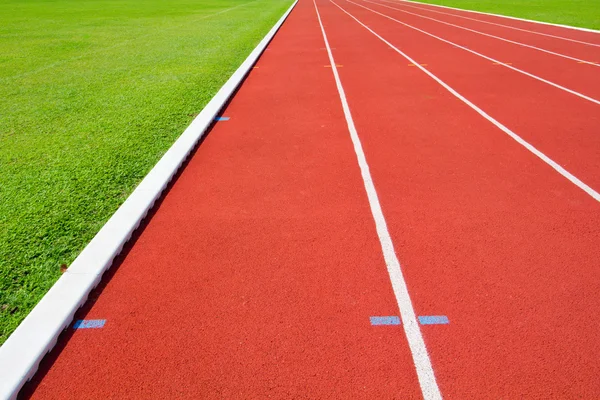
[(259, 271), (564, 74), (410, 321), (549, 41), (562, 48), (557, 123), (556, 31), (487, 234)]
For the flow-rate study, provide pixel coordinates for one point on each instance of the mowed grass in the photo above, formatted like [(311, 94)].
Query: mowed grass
[(92, 93), (581, 13)]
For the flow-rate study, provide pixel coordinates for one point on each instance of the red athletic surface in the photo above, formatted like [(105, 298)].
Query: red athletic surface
[(258, 272), (576, 34), (474, 21), (583, 78), (558, 123)]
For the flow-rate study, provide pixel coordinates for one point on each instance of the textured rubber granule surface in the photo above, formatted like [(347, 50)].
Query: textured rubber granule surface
[(257, 276), (488, 234), (259, 272)]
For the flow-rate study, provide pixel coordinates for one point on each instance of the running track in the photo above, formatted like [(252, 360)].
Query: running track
[(258, 273)]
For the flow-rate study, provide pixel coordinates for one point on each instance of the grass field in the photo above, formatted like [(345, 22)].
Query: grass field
[(92, 93), (582, 13)]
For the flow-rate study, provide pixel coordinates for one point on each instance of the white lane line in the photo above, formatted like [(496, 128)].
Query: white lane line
[(595, 195), (579, 60), (513, 18), (581, 95), (489, 22), (425, 374)]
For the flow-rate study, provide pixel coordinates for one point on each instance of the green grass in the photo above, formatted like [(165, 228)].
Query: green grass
[(582, 13), (92, 93)]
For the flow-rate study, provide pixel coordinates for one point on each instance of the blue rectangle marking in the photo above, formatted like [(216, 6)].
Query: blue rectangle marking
[(391, 320), (222, 119), (89, 324), (433, 319)]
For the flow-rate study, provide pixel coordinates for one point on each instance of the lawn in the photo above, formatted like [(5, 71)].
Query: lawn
[(582, 13), (92, 93)]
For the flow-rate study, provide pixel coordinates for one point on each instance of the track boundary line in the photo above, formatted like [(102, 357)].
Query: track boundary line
[(576, 181), (506, 65), (22, 352), (507, 16), (422, 362), (489, 22), (484, 34)]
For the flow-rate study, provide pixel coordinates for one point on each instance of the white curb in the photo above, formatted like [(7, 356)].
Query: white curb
[(37, 334)]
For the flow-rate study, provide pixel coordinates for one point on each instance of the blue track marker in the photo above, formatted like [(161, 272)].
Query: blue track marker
[(433, 319), (89, 323), (222, 119), (392, 320)]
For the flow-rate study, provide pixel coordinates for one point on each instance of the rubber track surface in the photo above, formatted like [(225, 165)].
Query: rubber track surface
[(258, 273), (556, 122), (489, 235), (528, 33), (583, 78), (591, 37)]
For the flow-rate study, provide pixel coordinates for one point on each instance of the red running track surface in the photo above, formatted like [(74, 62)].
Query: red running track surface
[(257, 274), (572, 43), (575, 75), (558, 123), (574, 34)]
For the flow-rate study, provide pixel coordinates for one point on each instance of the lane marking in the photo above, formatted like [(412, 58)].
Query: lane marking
[(389, 320), (221, 118), (412, 65), (423, 320), (580, 61), (507, 17), (329, 66), (424, 369), (502, 63), (583, 96), (433, 320), (89, 324), (595, 195)]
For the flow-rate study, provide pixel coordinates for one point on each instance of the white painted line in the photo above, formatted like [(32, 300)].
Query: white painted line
[(488, 22), (37, 334), (507, 65), (506, 16), (579, 60), (595, 195), (425, 374)]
